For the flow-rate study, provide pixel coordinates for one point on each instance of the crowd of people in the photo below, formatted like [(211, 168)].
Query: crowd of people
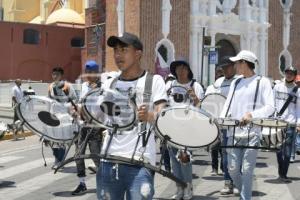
[(248, 96)]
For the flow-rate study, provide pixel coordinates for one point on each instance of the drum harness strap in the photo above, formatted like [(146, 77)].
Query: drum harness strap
[(254, 104), (146, 100), (288, 101)]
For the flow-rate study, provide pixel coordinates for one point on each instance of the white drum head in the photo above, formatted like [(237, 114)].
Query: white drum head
[(186, 127), (47, 118), (109, 108), (213, 104)]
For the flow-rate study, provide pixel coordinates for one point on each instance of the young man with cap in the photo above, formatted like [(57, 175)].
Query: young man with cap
[(181, 70), (250, 96), (92, 80), (62, 91), (221, 86), (287, 106), (116, 180)]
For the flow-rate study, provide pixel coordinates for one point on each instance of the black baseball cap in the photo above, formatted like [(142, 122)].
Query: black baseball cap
[(126, 38), (225, 61)]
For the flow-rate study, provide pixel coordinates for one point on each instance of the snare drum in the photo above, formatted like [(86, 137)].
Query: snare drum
[(47, 118), (213, 104), (186, 127), (272, 131), (110, 109)]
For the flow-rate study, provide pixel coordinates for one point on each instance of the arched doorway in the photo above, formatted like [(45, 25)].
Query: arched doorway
[(226, 49)]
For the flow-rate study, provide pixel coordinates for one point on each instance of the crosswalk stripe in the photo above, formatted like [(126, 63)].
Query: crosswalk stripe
[(20, 150), (21, 168), (7, 159), (31, 185)]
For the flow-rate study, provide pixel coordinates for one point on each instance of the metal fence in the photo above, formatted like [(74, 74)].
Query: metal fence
[(39, 88)]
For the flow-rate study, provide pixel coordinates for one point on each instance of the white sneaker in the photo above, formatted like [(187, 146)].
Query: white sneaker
[(188, 192), (179, 193)]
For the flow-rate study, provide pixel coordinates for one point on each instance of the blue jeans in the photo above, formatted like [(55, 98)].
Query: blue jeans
[(59, 153), (225, 156), (295, 145), (182, 171), (241, 164), (116, 180), (284, 155)]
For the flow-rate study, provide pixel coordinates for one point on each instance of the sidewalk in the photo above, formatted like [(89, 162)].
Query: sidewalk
[(7, 113)]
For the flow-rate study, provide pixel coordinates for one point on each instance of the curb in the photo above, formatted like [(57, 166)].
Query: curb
[(9, 136)]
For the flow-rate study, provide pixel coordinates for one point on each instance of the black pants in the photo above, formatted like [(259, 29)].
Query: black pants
[(215, 158), (94, 142)]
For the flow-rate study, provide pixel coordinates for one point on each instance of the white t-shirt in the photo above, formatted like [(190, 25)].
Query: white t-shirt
[(243, 101), (196, 87), (292, 112), (17, 92), (124, 144), (221, 86)]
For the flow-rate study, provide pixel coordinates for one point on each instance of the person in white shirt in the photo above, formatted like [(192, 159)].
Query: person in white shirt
[(249, 97), (181, 70), (17, 96), (290, 114), (221, 86), (114, 181)]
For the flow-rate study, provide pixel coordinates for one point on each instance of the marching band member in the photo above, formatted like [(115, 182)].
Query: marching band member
[(62, 91), (92, 80), (221, 86), (181, 70), (249, 97), (116, 180), (287, 109)]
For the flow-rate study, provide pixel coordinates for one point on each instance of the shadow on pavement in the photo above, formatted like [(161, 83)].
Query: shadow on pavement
[(68, 193), (4, 184)]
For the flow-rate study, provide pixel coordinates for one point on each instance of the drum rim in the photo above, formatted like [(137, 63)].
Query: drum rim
[(270, 119), (218, 94), (174, 144), (92, 119), (34, 130), (179, 86)]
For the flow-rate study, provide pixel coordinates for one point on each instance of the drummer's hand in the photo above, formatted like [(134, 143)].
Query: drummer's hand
[(194, 97), (144, 115), (93, 85), (298, 129), (246, 119)]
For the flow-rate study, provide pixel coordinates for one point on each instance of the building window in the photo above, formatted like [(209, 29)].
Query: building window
[(163, 51), (77, 42), (285, 60), (282, 63), (31, 36)]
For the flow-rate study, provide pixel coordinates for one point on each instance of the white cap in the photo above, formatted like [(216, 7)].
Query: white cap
[(245, 55)]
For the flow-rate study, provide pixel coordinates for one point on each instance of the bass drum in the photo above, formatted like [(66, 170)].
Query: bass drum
[(47, 118), (110, 109)]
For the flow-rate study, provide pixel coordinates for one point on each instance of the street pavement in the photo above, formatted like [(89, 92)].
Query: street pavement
[(24, 177)]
